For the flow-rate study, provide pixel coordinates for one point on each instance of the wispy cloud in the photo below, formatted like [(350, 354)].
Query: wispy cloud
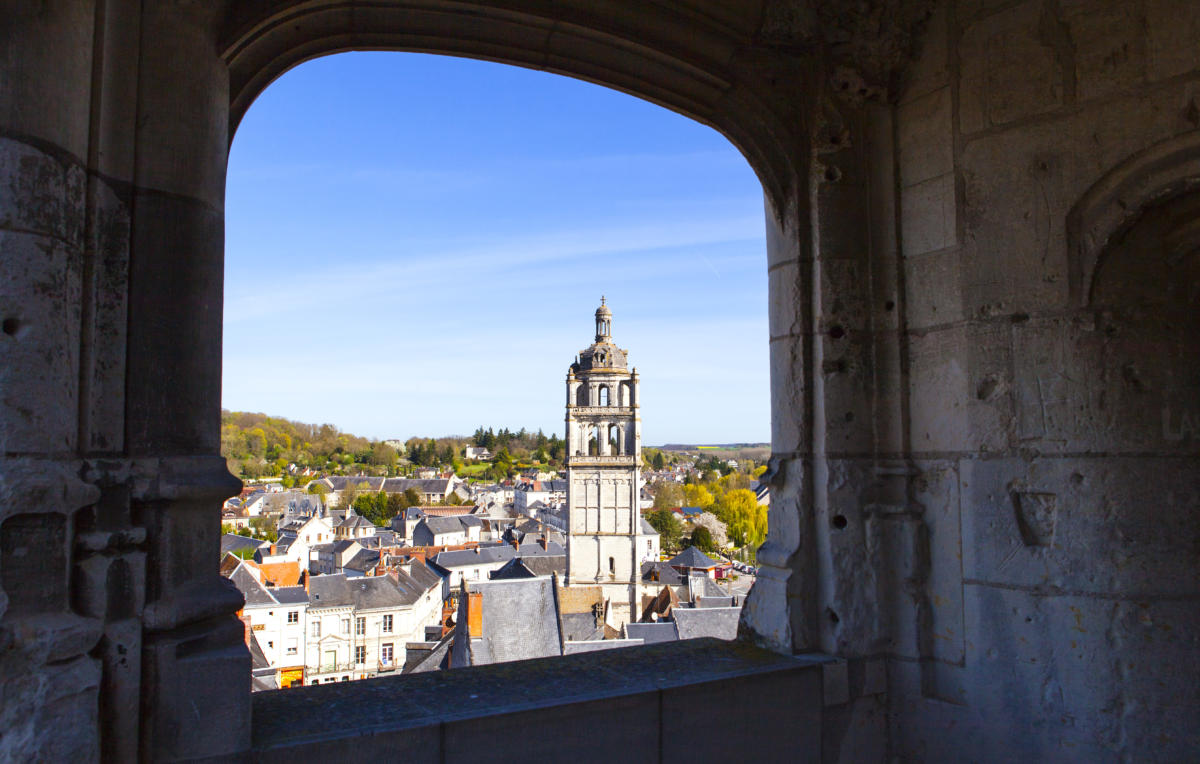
[(398, 271)]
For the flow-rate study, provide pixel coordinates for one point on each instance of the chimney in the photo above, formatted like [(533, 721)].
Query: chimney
[(304, 576), (516, 544), (475, 614), (272, 550), (545, 543)]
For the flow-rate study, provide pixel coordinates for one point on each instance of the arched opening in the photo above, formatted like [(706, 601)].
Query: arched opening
[(615, 446), (603, 396), (581, 396)]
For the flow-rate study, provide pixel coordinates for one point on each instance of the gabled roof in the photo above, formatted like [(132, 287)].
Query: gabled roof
[(255, 593), (647, 528), (693, 558), (514, 568), (440, 525)]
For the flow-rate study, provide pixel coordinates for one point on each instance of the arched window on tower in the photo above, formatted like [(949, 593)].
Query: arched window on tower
[(604, 395), (612, 567), (581, 396), (594, 443), (614, 440)]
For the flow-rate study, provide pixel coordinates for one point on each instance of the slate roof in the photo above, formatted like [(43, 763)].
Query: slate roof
[(719, 622), (396, 589), (257, 659), (652, 633), (519, 621), (514, 568), (353, 522), (365, 560), (440, 525), (437, 658), (579, 627), (340, 482), (693, 558), (231, 542), (255, 593), (428, 485), (591, 646), (714, 601), (701, 585), (665, 573), (647, 528), (290, 595), (490, 553)]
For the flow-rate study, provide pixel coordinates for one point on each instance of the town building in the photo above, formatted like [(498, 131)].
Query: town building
[(603, 459)]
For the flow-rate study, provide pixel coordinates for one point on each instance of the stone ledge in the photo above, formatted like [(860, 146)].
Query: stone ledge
[(432, 716)]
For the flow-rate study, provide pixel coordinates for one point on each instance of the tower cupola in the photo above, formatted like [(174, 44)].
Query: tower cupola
[(603, 322)]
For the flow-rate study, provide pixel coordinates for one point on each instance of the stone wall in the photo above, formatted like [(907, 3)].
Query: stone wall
[(1058, 614), (982, 328)]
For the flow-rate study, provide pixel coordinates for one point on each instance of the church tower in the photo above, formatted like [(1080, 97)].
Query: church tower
[(603, 461)]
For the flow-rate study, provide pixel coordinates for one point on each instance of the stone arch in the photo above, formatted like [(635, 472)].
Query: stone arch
[(684, 63), (605, 397), (1114, 202)]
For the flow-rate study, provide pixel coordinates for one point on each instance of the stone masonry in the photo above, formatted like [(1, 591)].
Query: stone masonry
[(985, 379)]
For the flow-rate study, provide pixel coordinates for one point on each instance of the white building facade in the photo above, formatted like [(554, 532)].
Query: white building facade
[(603, 458)]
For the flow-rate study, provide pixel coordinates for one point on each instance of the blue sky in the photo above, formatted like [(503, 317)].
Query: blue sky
[(416, 244)]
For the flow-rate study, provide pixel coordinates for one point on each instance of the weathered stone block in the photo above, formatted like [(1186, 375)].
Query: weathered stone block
[(928, 216), (1012, 67), (1112, 526), (938, 388), (39, 345), (925, 137), (787, 303), (933, 289), (935, 491), (40, 193)]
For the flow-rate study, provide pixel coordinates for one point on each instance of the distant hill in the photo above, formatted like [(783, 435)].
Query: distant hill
[(713, 446)]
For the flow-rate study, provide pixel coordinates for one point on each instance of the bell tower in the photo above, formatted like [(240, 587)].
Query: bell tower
[(603, 462)]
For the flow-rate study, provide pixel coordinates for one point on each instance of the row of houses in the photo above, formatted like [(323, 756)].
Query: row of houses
[(331, 628)]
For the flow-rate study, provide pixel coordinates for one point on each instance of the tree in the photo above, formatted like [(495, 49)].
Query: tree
[(659, 461), (667, 494), (716, 528), (668, 526), (746, 518), (320, 489), (382, 454), (697, 496), (703, 540), (411, 497)]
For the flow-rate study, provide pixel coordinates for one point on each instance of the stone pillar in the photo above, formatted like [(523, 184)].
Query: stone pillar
[(194, 651), (120, 640), (50, 205)]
